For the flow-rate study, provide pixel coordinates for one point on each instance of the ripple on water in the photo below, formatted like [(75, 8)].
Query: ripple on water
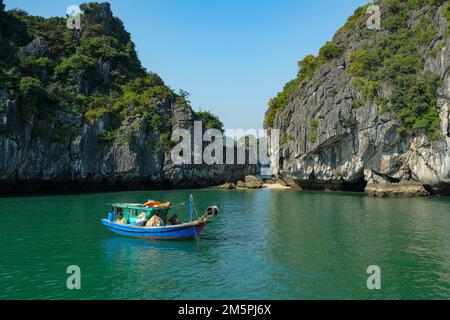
[(265, 244)]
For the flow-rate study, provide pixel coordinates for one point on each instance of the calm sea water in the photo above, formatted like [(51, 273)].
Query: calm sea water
[(267, 244)]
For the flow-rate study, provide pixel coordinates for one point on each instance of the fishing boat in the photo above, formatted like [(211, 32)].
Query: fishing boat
[(151, 220)]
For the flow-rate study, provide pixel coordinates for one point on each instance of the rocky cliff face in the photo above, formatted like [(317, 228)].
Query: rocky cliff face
[(82, 161), (120, 138), (330, 142)]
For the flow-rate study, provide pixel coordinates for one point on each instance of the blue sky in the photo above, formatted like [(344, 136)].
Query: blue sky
[(232, 56)]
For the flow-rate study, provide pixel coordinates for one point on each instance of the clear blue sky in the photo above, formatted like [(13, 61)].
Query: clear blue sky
[(230, 55)]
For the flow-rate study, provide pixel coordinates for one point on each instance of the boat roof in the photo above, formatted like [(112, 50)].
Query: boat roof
[(138, 206)]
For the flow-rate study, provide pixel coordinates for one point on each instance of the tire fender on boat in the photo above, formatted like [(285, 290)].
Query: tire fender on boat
[(212, 211)]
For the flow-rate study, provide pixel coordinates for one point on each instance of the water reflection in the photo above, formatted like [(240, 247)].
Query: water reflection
[(264, 244), (332, 239)]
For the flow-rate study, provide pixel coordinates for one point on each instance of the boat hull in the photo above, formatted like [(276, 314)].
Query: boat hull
[(180, 232)]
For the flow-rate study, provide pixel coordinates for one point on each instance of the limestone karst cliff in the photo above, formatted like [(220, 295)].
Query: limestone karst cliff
[(371, 111), (79, 112)]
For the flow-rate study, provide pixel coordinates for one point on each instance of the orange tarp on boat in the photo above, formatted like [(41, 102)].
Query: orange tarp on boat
[(153, 203)]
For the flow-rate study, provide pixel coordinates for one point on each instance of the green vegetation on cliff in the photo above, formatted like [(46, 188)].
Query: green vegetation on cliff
[(47, 67), (307, 68), (388, 66), (394, 60)]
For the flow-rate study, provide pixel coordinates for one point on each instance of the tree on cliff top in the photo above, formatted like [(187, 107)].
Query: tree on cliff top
[(392, 58), (93, 71), (209, 120)]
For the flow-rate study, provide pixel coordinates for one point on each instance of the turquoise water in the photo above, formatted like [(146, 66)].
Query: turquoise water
[(267, 244)]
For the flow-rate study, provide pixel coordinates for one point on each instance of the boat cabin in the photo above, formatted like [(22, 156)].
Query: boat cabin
[(130, 212)]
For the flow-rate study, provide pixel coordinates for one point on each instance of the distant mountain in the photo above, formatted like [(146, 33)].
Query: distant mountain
[(371, 111), (78, 110)]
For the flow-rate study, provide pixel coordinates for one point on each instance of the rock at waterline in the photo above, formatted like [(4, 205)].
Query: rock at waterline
[(240, 185), (388, 190), (227, 186), (252, 182)]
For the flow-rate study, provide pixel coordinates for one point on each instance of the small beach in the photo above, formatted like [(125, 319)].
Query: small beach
[(275, 186)]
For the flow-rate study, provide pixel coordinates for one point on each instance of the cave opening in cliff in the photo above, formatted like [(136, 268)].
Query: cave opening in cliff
[(356, 186)]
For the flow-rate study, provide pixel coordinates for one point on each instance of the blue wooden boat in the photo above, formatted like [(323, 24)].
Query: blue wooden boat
[(185, 231), (126, 220)]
